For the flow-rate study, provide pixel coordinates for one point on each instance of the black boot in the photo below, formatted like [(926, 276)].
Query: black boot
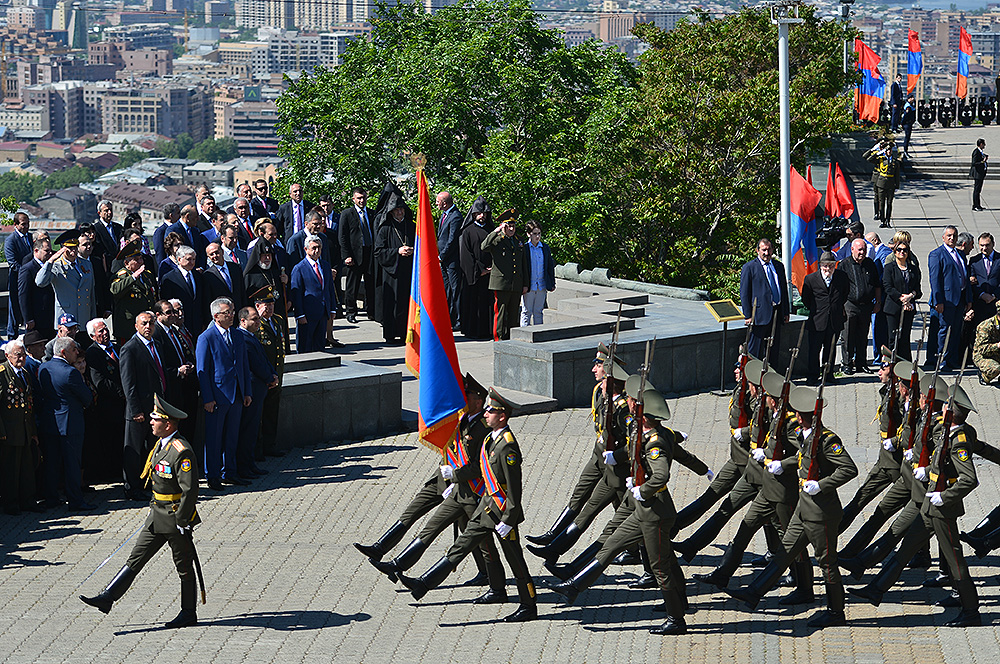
[(966, 618), (987, 544), (114, 592), (674, 624), (763, 582), (803, 593), (189, 603), (406, 559), (562, 543), (702, 537), (628, 557), (564, 520), (389, 539), (865, 535), (528, 609), (887, 576), (834, 615), (949, 601), (565, 571), (429, 580), (731, 559), (921, 559), (572, 588), (647, 580), (694, 510), (491, 597), (989, 523)]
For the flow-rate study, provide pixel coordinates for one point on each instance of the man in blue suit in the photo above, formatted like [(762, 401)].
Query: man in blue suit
[(17, 249), (188, 229), (64, 395), (312, 297), (171, 214), (224, 376), (984, 275), (949, 301), (449, 233), (262, 378), (762, 280)]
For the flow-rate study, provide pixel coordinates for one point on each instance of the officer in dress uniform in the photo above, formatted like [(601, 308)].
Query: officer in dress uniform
[(18, 435), (507, 278), (133, 289), (173, 471), (272, 339), (500, 511)]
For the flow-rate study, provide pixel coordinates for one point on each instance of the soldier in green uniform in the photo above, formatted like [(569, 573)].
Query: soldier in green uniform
[(173, 471), (823, 466), (653, 511), (776, 499), (951, 476), (17, 433), (461, 498), (885, 177), (507, 279), (133, 289), (499, 511), (270, 335), (615, 469), (986, 349), (594, 468)]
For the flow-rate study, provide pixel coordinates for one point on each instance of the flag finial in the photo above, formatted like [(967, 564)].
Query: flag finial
[(418, 160)]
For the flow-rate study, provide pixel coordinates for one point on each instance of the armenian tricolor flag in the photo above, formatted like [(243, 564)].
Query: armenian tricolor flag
[(805, 254), (869, 93), (964, 53), (914, 62)]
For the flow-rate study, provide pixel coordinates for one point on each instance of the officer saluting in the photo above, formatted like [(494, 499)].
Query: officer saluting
[(133, 288), (171, 468)]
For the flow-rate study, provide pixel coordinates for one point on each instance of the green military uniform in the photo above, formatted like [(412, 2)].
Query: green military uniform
[(507, 278), (18, 433), (986, 348), (132, 297), (885, 179), (270, 335)]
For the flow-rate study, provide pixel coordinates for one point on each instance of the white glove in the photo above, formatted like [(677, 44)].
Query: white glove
[(935, 497), (629, 482), (637, 493), (908, 455), (710, 475), (683, 435), (447, 491), (447, 472), (889, 447), (758, 455), (182, 530), (775, 468), (920, 473), (811, 487), (609, 458), (738, 434), (503, 529)]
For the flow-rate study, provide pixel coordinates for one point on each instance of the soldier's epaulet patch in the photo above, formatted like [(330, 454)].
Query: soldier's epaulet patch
[(186, 466), (836, 448), (654, 453), (961, 437), (654, 438), (511, 458), (177, 445), (620, 401), (2, 368), (122, 272), (962, 454), (508, 436)]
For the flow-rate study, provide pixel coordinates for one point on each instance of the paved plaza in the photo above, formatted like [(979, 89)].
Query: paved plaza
[(285, 585)]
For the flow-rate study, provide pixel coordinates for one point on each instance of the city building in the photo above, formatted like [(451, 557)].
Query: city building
[(19, 117), (207, 173), (63, 102), (149, 35), (252, 125), (157, 108), (70, 203), (126, 197)]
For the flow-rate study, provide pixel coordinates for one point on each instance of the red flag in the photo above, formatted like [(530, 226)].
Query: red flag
[(838, 197), (805, 253), (809, 173), (868, 95)]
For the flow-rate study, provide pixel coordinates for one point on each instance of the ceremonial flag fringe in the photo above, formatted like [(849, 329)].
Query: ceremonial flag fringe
[(869, 93), (964, 53), (805, 254), (914, 62), (430, 343)]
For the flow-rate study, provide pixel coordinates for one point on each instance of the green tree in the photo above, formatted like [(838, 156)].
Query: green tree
[(22, 187), (130, 157), (70, 177), (174, 149), (215, 150)]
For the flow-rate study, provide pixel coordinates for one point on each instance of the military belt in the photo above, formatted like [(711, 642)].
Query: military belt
[(167, 497)]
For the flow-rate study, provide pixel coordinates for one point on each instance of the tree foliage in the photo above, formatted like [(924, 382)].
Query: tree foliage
[(177, 148), (214, 150), (130, 157)]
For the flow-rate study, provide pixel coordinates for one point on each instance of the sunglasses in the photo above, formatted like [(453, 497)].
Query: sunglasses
[(902, 250)]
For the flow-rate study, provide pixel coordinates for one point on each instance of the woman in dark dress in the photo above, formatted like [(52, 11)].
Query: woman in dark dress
[(394, 241), (901, 282)]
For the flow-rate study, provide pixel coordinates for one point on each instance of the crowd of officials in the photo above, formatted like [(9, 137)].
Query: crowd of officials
[(201, 315)]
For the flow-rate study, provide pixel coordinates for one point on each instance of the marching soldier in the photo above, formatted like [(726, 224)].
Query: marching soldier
[(823, 466), (270, 335), (500, 510), (173, 471), (133, 289), (507, 278)]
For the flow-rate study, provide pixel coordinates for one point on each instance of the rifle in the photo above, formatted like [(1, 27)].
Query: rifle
[(786, 388), (817, 425), (925, 432), (610, 444), (762, 405), (949, 417), (744, 358), (638, 471), (893, 427), (911, 413)]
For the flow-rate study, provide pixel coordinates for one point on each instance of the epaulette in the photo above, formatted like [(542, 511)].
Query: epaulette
[(620, 401), (508, 436), (122, 272), (178, 445), (654, 438)]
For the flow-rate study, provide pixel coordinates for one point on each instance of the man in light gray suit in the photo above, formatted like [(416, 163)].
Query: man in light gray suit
[(449, 232), (72, 280)]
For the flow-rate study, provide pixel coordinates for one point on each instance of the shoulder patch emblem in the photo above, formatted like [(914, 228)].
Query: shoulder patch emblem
[(654, 453), (962, 454), (836, 448), (186, 466), (178, 445), (511, 458)]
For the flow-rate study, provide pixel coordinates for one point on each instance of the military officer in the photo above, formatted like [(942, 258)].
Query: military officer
[(500, 511), (885, 177), (173, 471), (133, 289), (270, 335), (507, 279), (823, 466), (18, 436), (986, 349)]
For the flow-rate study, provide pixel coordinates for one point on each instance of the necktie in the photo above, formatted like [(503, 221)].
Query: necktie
[(176, 343), (234, 258), (159, 367), (772, 279), (190, 283), (112, 353), (318, 275), (366, 233), (246, 225), (225, 273), (111, 232), (989, 264), (298, 217), (958, 261), (270, 321)]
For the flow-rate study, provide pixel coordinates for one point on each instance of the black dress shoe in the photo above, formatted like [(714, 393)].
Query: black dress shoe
[(490, 597), (761, 561), (848, 371), (186, 618), (335, 344), (671, 627), (939, 580), (920, 560), (828, 618), (235, 481), (749, 599), (950, 601), (647, 580), (523, 614), (216, 485), (713, 578), (480, 579), (864, 368), (966, 619), (352, 319), (798, 596), (867, 593), (627, 558)]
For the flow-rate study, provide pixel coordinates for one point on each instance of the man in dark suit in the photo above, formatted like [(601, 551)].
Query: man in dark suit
[(223, 279), (241, 219), (171, 215), (261, 205), (312, 297), (984, 275), (108, 234), (106, 430), (231, 250), (979, 165), (188, 286), (896, 102), (224, 376), (143, 374), (38, 303), (17, 249), (242, 191), (824, 294), (262, 378), (291, 215), (188, 229), (949, 301), (315, 227), (449, 232), (206, 218), (762, 280), (357, 241), (64, 395), (178, 365), (864, 298)]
